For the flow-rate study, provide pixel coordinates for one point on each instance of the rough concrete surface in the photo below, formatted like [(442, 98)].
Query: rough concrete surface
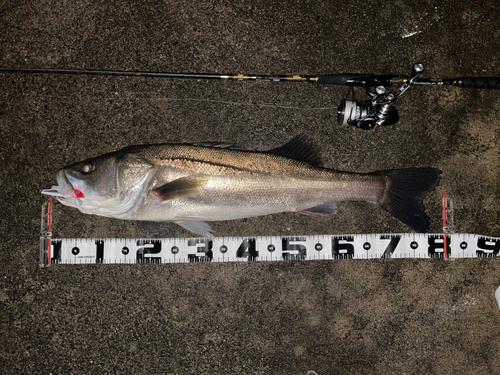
[(334, 317)]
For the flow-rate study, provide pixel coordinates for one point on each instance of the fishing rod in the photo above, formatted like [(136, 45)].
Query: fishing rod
[(368, 114)]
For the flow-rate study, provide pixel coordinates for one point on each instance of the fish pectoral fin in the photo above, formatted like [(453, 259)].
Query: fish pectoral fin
[(182, 187), (199, 227), (299, 148), (322, 210)]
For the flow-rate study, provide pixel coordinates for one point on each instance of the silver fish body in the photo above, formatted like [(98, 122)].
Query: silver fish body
[(190, 184)]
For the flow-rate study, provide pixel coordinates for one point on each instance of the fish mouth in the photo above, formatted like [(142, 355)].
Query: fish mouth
[(64, 189)]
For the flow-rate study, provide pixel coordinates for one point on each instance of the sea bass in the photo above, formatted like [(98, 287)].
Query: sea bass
[(190, 184)]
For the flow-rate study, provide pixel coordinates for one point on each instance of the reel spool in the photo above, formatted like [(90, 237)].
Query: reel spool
[(365, 115), (377, 111)]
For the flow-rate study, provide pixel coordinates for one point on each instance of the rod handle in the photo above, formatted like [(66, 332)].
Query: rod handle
[(489, 83), (347, 79)]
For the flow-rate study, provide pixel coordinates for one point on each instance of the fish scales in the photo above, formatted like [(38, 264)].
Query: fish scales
[(239, 176)]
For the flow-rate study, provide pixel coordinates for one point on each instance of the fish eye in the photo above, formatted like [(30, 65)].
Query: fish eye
[(87, 167)]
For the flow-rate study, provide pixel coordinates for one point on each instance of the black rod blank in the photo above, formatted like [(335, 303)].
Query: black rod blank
[(159, 74), (344, 79)]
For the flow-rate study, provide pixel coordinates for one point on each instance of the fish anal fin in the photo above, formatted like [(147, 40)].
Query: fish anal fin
[(299, 148), (182, 187), (198, 227), (321, 210)]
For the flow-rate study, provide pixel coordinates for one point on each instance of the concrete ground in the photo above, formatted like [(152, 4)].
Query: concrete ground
[(334, 317)]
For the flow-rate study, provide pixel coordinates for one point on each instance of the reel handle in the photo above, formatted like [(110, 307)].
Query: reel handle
[(488, 83)]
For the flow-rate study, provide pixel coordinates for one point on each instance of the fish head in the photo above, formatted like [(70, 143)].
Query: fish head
[(108, 185)]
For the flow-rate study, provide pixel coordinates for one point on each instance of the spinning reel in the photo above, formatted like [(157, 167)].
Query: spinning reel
[(378, 110)]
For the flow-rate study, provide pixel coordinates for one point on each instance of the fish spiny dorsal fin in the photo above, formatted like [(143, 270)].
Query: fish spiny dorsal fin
[(299, 148)]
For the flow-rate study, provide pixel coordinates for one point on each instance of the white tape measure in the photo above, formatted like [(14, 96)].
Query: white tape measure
[(261, 248)]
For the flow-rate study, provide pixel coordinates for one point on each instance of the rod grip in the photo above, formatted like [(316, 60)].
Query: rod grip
[(489, 83), (343, 79)]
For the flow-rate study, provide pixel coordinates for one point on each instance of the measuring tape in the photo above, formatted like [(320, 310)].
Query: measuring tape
[(261, 248)]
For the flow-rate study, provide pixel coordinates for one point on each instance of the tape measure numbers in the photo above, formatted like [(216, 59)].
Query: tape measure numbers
[(264, 248)]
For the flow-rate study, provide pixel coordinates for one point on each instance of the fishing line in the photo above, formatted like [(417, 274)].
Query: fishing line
[(195, 100), (250, 104)]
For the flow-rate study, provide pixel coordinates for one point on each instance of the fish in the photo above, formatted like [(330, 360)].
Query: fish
[(192, 184)]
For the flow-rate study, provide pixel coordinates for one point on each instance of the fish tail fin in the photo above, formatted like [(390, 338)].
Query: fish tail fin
[(405, 192)]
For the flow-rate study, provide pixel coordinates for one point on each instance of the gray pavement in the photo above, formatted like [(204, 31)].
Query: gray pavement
[(334, 317)]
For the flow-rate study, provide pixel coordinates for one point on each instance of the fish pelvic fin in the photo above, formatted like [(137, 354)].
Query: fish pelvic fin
[(198, 227), (405, 193), (182, 187), (299, 148)]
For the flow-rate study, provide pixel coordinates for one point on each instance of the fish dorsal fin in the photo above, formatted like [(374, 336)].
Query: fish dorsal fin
[(230, 146), (299, 148)]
